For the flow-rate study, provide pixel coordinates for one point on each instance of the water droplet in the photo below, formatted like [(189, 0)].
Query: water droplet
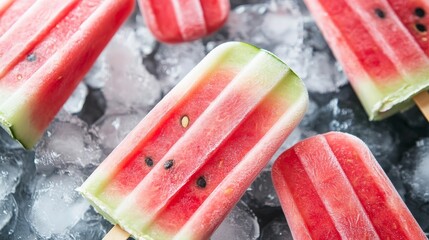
[(31, 57), (168, 164)]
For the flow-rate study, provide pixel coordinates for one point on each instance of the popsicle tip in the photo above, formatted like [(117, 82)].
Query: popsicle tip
[(345, 135), (231, 44), (422, 101), (116, 233), (238, 43)]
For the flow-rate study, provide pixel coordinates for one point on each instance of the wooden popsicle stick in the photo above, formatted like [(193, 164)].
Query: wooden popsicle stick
[(422, 101), (116, 233)]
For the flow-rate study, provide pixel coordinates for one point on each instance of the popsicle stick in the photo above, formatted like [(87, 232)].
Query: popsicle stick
[(116, 233), (422, 101)]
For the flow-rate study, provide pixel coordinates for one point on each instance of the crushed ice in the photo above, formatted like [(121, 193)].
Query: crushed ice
[(135, 71)]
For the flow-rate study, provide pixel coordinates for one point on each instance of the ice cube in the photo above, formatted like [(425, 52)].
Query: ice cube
[(67, 142), (56, 207), (319, 74), (120, 72), (75, 103), (414, 118), (421, 176), (129, 85), (317, 66), (23, 196), (282, 24), (416, 169), (11, 169), (313, 38), (235, 3), (277, 229), (310, 117), (275, 26), (113, 128), (91, 226), (6, 141), (96, 77), (343, 112), (280, 27), (173, 62), (240, 224), (22, 231), (262, 191), (8, 216), (146, 41), (395, 177), (124, 78)]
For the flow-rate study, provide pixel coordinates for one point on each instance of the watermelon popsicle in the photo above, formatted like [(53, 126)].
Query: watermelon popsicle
[(331, 187), (174, 21), (187, 163), (46, 48), (383, 46)]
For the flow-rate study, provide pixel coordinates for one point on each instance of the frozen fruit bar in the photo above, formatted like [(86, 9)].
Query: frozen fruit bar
[(383, 46), (331, 187), (46, 48), (187, 163), (175, 21)]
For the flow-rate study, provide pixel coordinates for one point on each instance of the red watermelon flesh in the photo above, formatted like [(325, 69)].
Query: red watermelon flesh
[(414, 14), (174, 21), (331, 187), (46, 47), (9, 17), (385, 62), (189, 161)]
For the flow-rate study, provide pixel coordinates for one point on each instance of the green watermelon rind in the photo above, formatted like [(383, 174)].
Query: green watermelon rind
[(99, 206), (103, 209), (398, 101)]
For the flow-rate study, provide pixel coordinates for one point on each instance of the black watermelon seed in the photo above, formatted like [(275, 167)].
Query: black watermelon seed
[(168, 164), (421, 28), (380, 13), (420, 12), (149, 161), (31, 57), (201, 182)]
